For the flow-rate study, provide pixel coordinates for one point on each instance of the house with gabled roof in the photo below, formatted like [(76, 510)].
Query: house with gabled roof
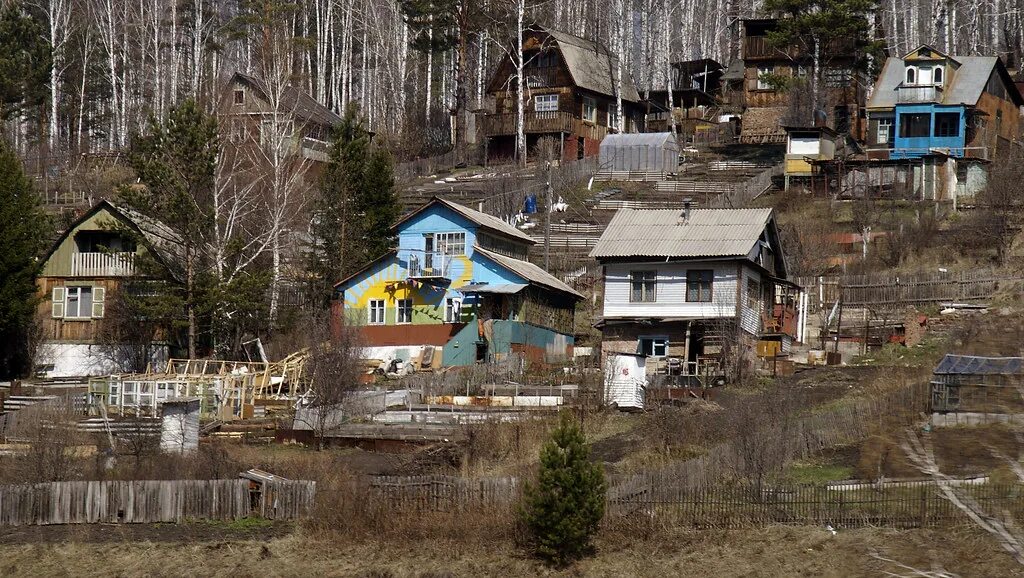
[(571, 95), (88, 264), (458, 290), (696, 291)]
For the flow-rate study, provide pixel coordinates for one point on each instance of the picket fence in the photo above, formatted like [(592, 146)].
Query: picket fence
[(112, 502)]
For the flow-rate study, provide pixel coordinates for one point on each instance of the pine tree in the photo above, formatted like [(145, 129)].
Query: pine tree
[(566, 505), (25, 61), (23, 236), (378, 204)]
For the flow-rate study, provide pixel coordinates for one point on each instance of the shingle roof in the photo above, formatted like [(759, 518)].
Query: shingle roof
[(953, 364), (529, 272), (494, 224), (964, 87), (662, 233), (297, 102), (592, 66)]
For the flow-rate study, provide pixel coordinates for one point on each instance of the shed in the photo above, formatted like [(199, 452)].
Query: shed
[(644, 153), (625, 380), (179, 429), (971, 383)]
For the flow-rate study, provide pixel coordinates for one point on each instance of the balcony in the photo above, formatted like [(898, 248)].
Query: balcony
[(102, 264), (429, 266), (535, 122), (918, 93)]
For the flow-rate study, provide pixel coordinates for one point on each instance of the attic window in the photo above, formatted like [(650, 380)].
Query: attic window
[(937, 75), (239, 96), (911, 75)]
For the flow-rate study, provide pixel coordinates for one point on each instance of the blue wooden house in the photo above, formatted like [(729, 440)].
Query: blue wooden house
[(456, 291), (929, 103)]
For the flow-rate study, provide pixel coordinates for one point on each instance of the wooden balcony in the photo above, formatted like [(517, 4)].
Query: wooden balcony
[(102, 264), (535, 123), (914, 93)]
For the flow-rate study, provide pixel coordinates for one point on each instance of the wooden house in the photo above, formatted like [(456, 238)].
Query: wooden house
[(571, 96), (768, 107), (807, 146), (695, 289), (458, 290), (695, 98), (81, 273)]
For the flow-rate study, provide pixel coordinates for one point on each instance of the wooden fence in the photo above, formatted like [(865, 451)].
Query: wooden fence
[(894, 290), (112, 502)]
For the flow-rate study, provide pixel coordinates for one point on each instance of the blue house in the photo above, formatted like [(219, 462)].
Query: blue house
[(456, 291), (929, 103)]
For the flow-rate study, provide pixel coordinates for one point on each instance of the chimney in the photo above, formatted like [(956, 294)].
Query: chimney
[(686, 209)]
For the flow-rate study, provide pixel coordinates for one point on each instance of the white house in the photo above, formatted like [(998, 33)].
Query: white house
[(695, 290)]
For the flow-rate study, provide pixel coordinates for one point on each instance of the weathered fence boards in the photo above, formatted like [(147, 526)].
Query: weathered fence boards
[(445, 493), (149, 501), (880, 290)]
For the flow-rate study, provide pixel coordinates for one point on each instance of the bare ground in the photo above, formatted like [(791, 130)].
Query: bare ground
[(773, 551)]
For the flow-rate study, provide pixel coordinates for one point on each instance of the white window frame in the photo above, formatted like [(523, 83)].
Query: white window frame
[(375, 312), (911, 70), (884, 128), (403, 311), (589, 111), (658, 342), (77, 291), (545, 103), (941, 76), (445, 242), (452, 310), (761, 71)]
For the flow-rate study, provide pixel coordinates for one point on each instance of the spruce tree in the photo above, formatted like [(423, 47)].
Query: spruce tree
[(24, 233), (563, 509), (378, 204)]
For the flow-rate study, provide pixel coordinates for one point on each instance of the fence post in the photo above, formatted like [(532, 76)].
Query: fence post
[(924, 507)]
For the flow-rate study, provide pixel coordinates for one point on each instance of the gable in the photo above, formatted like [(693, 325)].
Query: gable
[(58, 259)]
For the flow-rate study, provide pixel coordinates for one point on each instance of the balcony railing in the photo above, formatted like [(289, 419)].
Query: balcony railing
[(535, 122), (911, 93), (102, 264), (429, 266), (883, 152)]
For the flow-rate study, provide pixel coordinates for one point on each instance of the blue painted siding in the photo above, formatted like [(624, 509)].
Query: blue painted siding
[(916, 147), (461, 349)]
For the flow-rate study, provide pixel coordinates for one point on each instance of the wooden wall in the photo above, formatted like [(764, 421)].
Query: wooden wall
[(78, 330)]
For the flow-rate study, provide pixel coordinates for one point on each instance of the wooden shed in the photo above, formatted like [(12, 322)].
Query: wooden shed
[(969, 383)]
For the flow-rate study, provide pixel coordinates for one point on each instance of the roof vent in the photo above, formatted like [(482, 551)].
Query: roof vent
[(686, 209)]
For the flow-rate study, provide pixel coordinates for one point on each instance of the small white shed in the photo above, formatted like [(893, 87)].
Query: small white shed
[(179, 430), (646, 153), (625, 378)]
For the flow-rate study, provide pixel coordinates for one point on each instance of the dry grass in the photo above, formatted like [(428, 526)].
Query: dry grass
[(773, 551)]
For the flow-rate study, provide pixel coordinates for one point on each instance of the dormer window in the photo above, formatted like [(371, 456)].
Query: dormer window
[(911, 75), (239, 96), (937, 75)]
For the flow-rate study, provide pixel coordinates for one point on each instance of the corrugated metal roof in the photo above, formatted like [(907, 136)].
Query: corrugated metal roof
[(662, 233), (965, 86), (529, 271), (974, 365), (592, 66), (488, 221), (496, 289), (640, 139)]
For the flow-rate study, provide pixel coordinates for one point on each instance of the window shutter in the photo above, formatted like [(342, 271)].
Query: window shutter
[(57, 308), (99, 295)]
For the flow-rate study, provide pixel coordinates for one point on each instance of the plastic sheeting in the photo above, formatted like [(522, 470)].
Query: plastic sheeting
[(642, 152)]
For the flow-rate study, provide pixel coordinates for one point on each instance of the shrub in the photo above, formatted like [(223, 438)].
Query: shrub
[(563, 509)]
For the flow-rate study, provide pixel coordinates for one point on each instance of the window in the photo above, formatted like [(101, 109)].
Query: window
[(376, 312), (762, 73), (753, 294), (238, 131), (545, 103), (404, 310), (450, 243), (698, 285), (643, 286), (937, 75), (911, 75), (613, 120), (589, 109), (239, 97), (947, 124), (545, 59), (801, 71), (652, 346), (452, 310), (79, 302), (884, 135), (914, 125)]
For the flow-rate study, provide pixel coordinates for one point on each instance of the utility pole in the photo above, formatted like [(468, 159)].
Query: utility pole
[(547, 222)]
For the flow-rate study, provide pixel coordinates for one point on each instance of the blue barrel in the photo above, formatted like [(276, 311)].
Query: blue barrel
[(530, 206)]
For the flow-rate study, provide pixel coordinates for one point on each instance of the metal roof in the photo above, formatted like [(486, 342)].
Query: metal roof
[(529, 271), (974, 365), (964, 87), (664, 233), (496, 289), (656, 139), (483, 219), (592, 66), (297, 102)]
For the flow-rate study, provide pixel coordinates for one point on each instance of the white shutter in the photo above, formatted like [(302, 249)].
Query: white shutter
[(57, 307), (98, 296)]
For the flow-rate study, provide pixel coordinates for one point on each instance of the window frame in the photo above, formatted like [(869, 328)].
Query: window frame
[(910, 75), (762, 70), (695, 282), (590, 103), (547, 100), (754, 297), (648, 283), (452, 310), (887, 124), (938, 75), (78, 290), (239, 92), (372, 309), (443, 239), (403, 311), (905, 124), (657, 342), (946, 133)]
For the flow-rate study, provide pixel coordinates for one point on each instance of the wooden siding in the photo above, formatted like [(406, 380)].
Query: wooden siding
[(61, 261), (71, 330), (670, 295)]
